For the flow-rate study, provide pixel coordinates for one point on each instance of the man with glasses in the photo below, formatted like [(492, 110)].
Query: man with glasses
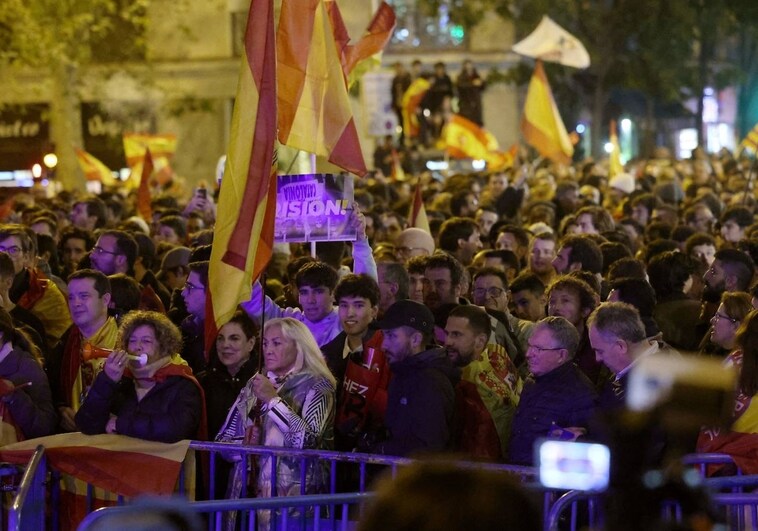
[(31, 289), (193, 326), (557, 399), (116, 252), (413, 242)]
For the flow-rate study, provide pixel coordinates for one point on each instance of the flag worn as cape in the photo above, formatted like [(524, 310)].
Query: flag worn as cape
[(93, 168), (541, 123), (314, 108), (244, 233)]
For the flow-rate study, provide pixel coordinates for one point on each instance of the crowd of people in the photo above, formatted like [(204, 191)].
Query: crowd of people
[(518, 315)]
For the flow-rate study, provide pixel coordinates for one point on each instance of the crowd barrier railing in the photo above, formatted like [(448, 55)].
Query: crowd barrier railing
[(322, 517), (28, 507)]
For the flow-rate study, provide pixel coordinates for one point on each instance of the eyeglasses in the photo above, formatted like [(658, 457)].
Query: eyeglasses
[(99, 250), (718, 316), (189, 287), (408, 250), (540, 350), (13, 250), (493, 292)]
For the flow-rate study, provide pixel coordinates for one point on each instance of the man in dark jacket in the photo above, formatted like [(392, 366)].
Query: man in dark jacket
[(421, 397), (557, 399)]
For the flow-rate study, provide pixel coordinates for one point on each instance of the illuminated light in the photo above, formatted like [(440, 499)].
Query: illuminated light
[(626, 125), (50, 160), (609, 147), (478, 165), (457, 32), (403, 34), (427, 113), (398, 129), (581, 128), (45, 182), (37, 171), (436, 165)]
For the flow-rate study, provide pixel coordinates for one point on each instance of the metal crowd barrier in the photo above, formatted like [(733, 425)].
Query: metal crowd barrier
[(28, 508), (321, 506)]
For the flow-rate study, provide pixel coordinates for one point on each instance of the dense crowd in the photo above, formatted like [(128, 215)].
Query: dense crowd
[(519, 315)]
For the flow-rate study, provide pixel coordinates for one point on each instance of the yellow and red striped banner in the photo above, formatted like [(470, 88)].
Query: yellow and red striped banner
[(162, 149), (244, 233), (614, 159), (143, 192), (417, 216), (541, 124), (314, 107), (93, 168), (461, 138)]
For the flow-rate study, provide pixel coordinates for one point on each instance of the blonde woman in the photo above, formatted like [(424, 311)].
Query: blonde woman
[(295, 397)]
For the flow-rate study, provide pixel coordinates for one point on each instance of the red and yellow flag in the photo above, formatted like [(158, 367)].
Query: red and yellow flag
[(244, 234), (93, 168), (410, 103), (417, 216), (314, 107), (541, 124), (143, 192), (463, 139), (162, 148), (615, 166), (377, 35)]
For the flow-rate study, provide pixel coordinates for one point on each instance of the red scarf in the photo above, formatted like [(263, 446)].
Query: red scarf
[(38, 283)]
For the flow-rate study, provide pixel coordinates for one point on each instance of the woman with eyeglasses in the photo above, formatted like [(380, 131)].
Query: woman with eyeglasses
[(735, 305), (740, 440), (156, 398)]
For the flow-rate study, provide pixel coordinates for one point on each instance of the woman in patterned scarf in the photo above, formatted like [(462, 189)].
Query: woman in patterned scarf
[(294, 402)]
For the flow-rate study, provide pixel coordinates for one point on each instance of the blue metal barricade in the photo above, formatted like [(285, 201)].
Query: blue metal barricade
[(28, 508), (701, 461), (318, 505)]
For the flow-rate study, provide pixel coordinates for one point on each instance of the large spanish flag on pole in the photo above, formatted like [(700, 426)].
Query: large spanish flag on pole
[(93, 168), (461, 138), (541, 124), (314, 107), (244, 235)]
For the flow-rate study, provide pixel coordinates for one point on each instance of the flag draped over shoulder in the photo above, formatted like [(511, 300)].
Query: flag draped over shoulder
[(314, 107), (614, 160), (244, 234), (143, 192), (162, 149), (541, 124), (750, 142), (93, 168), (417, 215), (461, 138), (410, 104)]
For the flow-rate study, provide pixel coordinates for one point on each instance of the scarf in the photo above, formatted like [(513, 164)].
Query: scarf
[(77, 375), (38, 283)]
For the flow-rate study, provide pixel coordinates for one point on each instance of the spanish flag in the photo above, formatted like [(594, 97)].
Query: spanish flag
[(143, 192), (417, 215), (463, 139), (314, 107), (614, 159), (162, 149), (410, 103), (94, 169), (373, 41), (541, 124), (750, 142), (244, 234)]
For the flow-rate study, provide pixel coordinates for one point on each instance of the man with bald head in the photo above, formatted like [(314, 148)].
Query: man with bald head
[(414, 242)]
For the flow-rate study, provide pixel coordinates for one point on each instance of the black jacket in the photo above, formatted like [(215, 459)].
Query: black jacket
[(221, 390), (420, 404), (169, 412), (564, 396)]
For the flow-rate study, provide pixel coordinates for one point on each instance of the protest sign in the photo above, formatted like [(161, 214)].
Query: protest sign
[(314, 207)]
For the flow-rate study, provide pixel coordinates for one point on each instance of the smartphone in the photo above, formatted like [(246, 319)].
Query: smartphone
[(201, 192), (573, 465)]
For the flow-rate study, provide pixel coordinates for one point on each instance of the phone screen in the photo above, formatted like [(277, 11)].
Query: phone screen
[(573, 465)]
